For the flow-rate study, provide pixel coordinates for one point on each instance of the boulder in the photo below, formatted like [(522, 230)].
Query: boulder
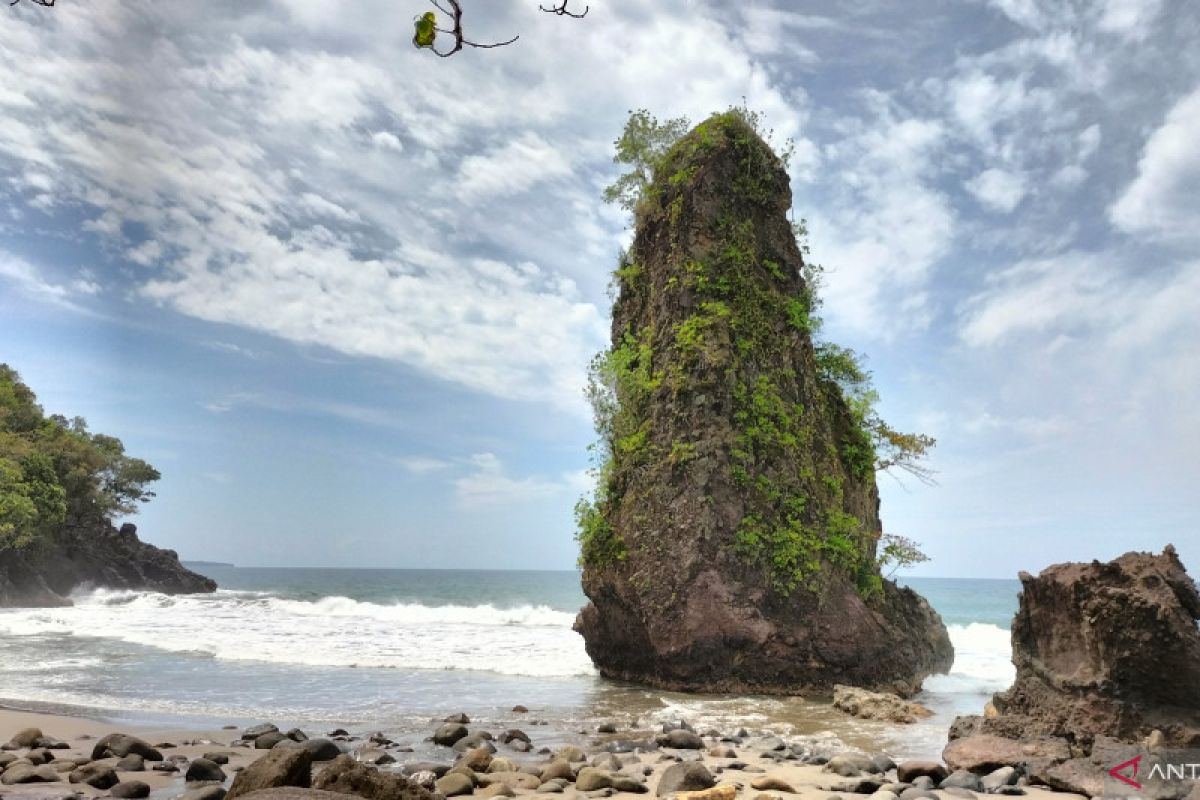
[(1004, 776), (850, 765), (984, 752), (96, 775), (26, 738), (448, 734), (454, 784), (201, 769), (961, 779), (558, 768), (680, 740), (907, 771), (270, 739), (131, 790), (348, 776), (771, 783), (712, 290), (321, 749), (1106, 649), (725, 791), (132, 763), (570, 753), (497, 790), (255, 731), (278, 767), (119, 745), (687, 776), (590, 779), (883, 706)]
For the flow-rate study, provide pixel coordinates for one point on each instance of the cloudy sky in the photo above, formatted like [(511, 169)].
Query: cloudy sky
[(342, 292)]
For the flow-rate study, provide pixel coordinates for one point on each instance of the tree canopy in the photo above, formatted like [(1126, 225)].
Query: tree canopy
[(54, 472)]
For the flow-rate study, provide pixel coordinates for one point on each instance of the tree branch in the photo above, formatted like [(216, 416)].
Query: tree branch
[(561, 10), (46, 3), (455, 12)]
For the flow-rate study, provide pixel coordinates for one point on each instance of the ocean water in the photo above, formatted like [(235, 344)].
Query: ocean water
[(392, 649)]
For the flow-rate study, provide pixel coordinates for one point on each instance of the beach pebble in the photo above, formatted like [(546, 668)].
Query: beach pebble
[(255, 731), (501, 765), (607, 761), (201, 769), (590, 779), (512, 734), (131, 790), (558, 768), (1005, 776), (98, 776), (28, 773), (520, 745), (684, 777), (26, 738), (425, 766), (628, 783), (269, 740), (132, 763), (119, 745), (571, 753), (771, 783), (280, 767), (961, 779), (680, 739), (204, 793), (165, 766), (907, 771), (454, 784), (450, 733), (426, 779), (723, 752), (217, 757)]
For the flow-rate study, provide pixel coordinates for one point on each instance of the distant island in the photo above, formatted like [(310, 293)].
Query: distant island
[(205, 564)]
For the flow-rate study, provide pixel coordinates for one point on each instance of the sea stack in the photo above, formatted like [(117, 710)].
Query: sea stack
[(732, 542)]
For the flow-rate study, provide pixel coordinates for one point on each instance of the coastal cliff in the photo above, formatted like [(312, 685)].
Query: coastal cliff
[(60, 487), (95, 556), (732, 543)]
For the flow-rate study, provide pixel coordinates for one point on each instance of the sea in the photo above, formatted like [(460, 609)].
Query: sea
[(391, 650)]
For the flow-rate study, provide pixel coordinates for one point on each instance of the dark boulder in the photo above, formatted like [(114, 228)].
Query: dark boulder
[(119, 745), (201, 769), (96, 775), (450, 733), (687, 776), (131, 790)]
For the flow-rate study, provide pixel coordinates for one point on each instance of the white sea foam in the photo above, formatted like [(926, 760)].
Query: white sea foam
[(982, 661), (331, 631)]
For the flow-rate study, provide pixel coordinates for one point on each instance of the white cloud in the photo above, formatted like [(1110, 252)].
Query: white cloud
[(422, 465), (1163, 199), (1131, 19), (997, 189), (490, 485), (886, 228), (29, 281), (387, 141)]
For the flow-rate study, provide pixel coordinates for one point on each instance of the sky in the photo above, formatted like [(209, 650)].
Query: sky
[(342, 293)]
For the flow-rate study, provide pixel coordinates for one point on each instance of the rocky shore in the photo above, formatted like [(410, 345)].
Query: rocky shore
[(54, 759), (96, 554)]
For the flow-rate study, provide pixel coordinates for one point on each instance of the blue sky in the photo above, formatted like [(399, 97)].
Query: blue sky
[(342, 293)]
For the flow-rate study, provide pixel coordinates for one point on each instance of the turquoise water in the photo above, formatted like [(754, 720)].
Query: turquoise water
[(391, 649)]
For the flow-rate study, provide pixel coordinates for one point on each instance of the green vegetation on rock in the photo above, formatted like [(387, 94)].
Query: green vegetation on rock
[(54, 472), (723, 332)]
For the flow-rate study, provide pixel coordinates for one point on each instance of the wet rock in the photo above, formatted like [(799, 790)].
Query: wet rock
[(39, 756), (884, 706), (606, 727), (131, 790), (279, 767), (322, 749), (850, 765), (478, 760), (201, 769), (448, 734), (571, 754), (514, 734), (98, 776), (628, 783), (558, 768), (722, 752), (458, 719), (961, 779), (686, 776), (501, 764), (218, 757), (425, 766), (519, 709)]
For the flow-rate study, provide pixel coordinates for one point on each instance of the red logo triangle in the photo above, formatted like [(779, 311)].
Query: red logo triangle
[(1119, 772)]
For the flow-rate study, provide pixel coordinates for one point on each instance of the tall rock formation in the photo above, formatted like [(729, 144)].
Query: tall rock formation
[(732, 542)]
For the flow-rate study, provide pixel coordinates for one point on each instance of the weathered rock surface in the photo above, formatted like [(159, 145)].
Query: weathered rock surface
[(1108, 661), (347, 776), (877, 705), (276, 768), (95, 554), (733, 545)]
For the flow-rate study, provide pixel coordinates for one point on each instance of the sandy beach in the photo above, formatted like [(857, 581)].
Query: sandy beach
[(748, 766)]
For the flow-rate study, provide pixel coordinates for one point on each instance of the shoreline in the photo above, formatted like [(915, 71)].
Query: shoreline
[(740, 758)]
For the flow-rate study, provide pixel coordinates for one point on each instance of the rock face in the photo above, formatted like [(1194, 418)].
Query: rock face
[(1106, 649), (732, 543), (1108, 665), (877, 705), (99, 555)]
